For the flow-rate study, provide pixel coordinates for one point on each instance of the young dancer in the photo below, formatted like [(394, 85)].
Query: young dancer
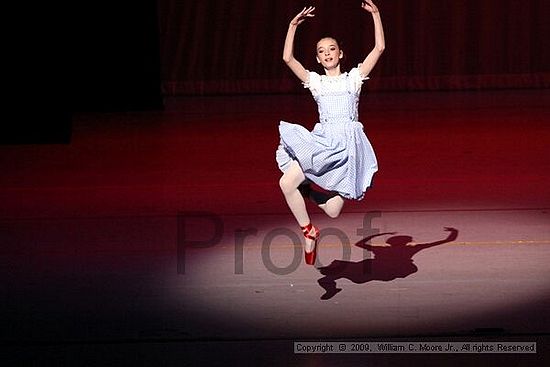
[(336, 155)]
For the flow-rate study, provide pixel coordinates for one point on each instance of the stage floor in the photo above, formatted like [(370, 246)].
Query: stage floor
[(164, 234)]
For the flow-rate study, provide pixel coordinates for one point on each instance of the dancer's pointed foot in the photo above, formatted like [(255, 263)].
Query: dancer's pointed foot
[(311, 234)]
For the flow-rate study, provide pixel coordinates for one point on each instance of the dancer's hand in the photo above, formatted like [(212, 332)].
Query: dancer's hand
[(301, 16), (369, 6)]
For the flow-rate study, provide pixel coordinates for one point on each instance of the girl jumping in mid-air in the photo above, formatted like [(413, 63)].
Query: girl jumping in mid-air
[(336, 155)]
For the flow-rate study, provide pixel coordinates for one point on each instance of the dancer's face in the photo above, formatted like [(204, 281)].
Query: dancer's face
[(329, 53)]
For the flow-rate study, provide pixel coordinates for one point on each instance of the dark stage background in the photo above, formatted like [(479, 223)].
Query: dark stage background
[(115, 60), (213, 46)]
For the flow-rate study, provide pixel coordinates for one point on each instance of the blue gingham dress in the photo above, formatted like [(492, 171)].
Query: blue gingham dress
[(336, 154)]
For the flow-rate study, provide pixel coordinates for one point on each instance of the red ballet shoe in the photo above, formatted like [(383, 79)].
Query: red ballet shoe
[(310, 256)]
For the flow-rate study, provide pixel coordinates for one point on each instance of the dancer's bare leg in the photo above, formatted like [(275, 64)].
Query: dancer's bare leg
[(289, 183), (333, 206)]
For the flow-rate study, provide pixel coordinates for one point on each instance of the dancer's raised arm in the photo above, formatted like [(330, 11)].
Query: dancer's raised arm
[(288, 52), (379, 45)]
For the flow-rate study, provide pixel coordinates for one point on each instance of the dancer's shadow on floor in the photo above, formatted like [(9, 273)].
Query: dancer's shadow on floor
[(390, 262)]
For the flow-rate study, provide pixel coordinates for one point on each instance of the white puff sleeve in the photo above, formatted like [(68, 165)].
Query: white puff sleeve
[(356, 78), (313, 83)]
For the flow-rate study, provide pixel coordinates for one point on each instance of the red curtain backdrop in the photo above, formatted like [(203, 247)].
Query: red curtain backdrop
[(233, 47)]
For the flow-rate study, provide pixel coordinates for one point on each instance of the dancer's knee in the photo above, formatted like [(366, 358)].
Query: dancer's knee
[(334, 206), (286, 184), (333, 212)]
